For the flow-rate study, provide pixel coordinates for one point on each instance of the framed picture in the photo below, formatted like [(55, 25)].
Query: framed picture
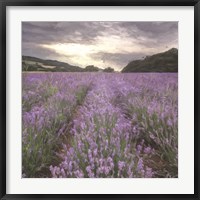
[(99, 99)]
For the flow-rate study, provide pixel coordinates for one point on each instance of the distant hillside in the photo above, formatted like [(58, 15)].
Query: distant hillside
[(36, 64), (161, 62)]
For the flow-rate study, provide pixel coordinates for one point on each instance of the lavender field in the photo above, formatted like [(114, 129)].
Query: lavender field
[(100, 125)]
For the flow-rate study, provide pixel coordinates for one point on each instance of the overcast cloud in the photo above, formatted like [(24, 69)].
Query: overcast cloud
[(103, 44)]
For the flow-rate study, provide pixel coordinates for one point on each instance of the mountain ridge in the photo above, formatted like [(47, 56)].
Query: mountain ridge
[(30, 63), (161, 62)]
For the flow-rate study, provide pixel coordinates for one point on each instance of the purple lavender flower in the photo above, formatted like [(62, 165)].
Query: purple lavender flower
[(109, 128)]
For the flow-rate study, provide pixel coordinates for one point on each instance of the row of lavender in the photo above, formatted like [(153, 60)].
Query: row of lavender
[(103, 125), (48, 104)]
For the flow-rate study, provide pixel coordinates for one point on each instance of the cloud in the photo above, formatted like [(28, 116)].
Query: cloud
[(98, 43), (118, 60)]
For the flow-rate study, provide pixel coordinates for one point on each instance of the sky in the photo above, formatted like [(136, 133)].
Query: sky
[(102, 44)]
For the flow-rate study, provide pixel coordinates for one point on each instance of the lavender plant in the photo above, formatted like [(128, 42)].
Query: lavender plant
[(46, 125), (100, 125)]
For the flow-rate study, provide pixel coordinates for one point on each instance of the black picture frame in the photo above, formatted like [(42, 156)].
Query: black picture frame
[(6, 3)]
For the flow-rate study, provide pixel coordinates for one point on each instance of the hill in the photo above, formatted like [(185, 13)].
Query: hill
[(36, 64), (161, 62)]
